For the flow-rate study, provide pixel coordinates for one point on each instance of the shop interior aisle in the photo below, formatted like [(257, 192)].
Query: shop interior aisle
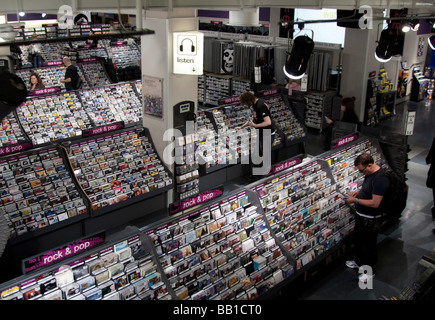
[(402, 245)]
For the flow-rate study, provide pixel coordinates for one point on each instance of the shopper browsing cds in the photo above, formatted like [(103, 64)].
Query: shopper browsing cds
[(367, 202), (35, 82), (72, 78), (262, 121)]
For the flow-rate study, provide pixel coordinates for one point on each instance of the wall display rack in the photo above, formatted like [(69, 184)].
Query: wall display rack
[(218, 55), (186, 166), (245, 49), (319, 104), (239, 85)]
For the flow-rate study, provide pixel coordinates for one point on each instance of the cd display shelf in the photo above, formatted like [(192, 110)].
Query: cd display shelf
[(63, 116), (319, 105), (246, 245), (186, 166), (91, 70), (227, 116), (125, 59), (97, 182), (124, 268), (214, 87), (39, 193)]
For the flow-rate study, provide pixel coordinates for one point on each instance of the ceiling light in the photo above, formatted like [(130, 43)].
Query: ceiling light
[(414, 24), (43, 14), (297, 60), (406, 27), (21, 13)]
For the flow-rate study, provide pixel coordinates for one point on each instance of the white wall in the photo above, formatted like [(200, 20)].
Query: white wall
[(157, 62), (358, 62)]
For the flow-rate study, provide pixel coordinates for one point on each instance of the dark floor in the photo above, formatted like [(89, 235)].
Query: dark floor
[(402, 245)]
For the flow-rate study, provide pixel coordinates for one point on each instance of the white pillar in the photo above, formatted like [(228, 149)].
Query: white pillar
[(157, 62)]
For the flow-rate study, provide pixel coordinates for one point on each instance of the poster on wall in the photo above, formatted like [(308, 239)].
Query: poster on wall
[(152, 96), (227, 57)]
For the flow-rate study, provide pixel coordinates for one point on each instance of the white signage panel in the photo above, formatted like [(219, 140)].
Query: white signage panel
[(188, 55)]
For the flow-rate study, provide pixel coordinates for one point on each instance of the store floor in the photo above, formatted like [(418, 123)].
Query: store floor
[(401, 246)]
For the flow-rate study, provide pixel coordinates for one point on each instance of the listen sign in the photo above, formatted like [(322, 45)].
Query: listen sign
[(188, 52)]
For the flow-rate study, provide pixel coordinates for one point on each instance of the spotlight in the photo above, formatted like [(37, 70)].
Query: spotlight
[(431, 41), (21, 13), (387, 41), (405, 27), (297, 60), (415, 24), (43, 14)]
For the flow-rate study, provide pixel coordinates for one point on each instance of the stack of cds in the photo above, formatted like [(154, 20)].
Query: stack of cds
[(54, 117)]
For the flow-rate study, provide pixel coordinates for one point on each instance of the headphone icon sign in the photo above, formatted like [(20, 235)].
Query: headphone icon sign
[(192, 46)]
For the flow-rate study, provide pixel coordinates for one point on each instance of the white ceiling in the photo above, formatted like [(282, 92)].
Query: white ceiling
[(129, 6)]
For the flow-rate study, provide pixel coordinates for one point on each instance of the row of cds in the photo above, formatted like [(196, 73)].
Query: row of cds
[(123, 54), (218, 55), (65, 115), (237, 248), (38, 189), (114, 273)]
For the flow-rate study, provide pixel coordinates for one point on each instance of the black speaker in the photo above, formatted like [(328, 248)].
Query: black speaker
[(349, 18)]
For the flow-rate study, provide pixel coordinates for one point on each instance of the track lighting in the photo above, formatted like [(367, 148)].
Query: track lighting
[(297, 60)]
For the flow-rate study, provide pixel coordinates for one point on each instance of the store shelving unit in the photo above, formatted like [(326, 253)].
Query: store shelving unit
[(319, 105)]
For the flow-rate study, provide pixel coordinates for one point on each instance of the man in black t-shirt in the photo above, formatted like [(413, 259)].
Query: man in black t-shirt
[(368, 215), (261, 120), (71, 75)]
